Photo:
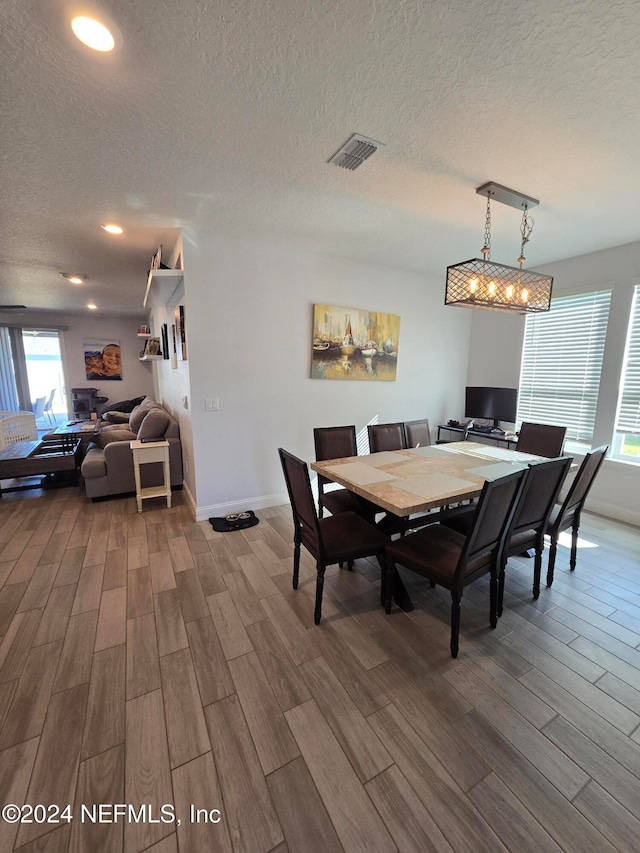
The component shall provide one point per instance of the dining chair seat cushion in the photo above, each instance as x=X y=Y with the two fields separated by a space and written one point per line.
x=522 y=540
x=341 y=500
x=348 y=536
x=433 y=551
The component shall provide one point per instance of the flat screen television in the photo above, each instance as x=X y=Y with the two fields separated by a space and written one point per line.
x=496 y=404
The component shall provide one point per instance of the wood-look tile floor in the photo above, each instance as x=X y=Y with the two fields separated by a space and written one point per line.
x=147 y=660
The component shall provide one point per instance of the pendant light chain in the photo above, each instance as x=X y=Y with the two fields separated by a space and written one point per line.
x=526 y=227
x=486 y=249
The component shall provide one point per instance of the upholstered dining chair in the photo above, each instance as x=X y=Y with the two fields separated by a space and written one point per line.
x=541 y=439
x=453 y=560
x=530 y=520
x=386 y=437
x=567 y=514
x=340 y=538
x=417 y=433
x=337 y=443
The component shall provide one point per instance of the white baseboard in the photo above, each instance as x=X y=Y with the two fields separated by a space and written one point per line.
x=190 y=501
x=619 y=513
x=203 y=513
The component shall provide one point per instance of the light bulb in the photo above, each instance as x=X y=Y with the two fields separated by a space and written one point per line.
x=92 y=33
x=492 y=288
x=524 y=295
x=112 y=229
x=75 y=279
x=473 y=285
x=509 y=291
x=91 y=306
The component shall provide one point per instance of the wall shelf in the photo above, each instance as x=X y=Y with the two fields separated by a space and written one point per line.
x=140 y=335
x=161 y=285
x=150 y=358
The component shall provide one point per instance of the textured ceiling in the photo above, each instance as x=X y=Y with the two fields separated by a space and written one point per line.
x=222 y=115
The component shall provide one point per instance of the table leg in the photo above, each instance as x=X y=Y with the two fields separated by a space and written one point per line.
x=400 y=594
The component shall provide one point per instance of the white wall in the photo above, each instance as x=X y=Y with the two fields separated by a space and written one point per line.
x=137 y=377
x=618 y=485
x=249 y=326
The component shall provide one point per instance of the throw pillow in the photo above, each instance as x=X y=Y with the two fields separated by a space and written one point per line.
x=105 y=437
x=154 y=425
x=136 y=417
x=116 y=417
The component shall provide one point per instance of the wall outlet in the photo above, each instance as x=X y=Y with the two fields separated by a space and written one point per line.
x=211 y=404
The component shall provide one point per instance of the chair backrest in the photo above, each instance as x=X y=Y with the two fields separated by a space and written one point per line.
x=540 y=494
x=305 y=518
x=582 y=482
x=333 y=443
x=38 y=407
x=541 y=439
x=386 y=437
x=49 y=402
x=491 y=523
x=417 y=433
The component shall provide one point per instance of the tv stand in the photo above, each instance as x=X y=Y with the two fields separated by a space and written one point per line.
x=510 y=441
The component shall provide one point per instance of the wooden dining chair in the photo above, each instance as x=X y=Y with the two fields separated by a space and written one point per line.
x=417 y=433
x=338 y=443
x=386 y=437
x=567 y=514
x=530 y=519
x=337 y=539
x=541 y=439
x=453 y=560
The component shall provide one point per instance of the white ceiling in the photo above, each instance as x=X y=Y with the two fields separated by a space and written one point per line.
x=222 y=116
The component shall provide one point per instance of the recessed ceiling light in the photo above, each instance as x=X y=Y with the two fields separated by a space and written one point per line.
x=92 y=33
x=74 y=279
x=112 y=229
x=91 y=306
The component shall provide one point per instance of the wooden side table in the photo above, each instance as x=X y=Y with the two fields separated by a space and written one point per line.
x=143 y=453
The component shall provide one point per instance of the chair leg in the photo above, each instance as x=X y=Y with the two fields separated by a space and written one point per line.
x=317 y=613
x=501 y=574
x=574 y=545
x=296 y=563
x=455 y=623
x=493 y=599
x=552 y=560
x=537 y=571
x=350 y=565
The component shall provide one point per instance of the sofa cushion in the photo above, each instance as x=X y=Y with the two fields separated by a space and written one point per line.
x=112 y=427
x=137 y=416
x=116 y=417
x=154 y=425
x=93 y=464
x=106 y=436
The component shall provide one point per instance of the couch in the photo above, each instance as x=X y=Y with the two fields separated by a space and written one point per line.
x=107 y=468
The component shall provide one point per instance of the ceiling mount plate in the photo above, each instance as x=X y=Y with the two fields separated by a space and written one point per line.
x=507 y=196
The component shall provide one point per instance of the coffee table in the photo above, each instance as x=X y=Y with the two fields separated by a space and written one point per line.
x=57 y=460
x=71 y=431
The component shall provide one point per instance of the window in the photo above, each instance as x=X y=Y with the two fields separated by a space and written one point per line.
x=627 y=438
x=562 y=363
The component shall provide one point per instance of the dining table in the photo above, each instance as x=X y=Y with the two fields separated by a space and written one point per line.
x=420 y=479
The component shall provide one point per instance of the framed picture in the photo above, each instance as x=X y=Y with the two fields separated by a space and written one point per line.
x=165 y=341
x=353 y=343
x=143 y=330
x=102 y=359
x=153 y=347
x=181 y=333
x=156 y=258
x=174 y=351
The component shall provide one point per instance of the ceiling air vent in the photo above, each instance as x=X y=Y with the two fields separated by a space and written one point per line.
x=355 y=151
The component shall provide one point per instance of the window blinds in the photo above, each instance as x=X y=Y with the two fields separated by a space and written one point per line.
x=562 y=362
x=629 y=412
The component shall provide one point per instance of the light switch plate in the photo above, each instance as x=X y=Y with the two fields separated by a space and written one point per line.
x=211 y=404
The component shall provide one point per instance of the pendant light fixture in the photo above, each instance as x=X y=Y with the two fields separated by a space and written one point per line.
x=483 y=283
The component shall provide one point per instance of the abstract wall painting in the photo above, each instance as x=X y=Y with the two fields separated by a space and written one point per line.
x=353 y=343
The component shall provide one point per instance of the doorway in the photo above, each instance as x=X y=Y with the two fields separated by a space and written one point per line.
x=45 y=376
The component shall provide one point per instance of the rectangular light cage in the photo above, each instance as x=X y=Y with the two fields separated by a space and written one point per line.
x=497 y=287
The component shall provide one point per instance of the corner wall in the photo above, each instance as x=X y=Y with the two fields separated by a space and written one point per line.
x=249 y=326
